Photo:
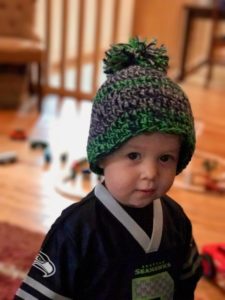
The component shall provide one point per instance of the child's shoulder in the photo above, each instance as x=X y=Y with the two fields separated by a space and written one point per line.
x=77 y=215
x=82 y=209
x=176 y=219
x=171 y=203
x=174 y=209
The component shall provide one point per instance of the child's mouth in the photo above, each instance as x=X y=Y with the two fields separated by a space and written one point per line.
x=147 y=191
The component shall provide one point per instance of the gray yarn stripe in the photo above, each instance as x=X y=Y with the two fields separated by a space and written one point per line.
x=154 y=84
x=130 y=72
x=107 y=112
x=43 y=289
x=148 y=245
x=132 y=75
x=24 y=295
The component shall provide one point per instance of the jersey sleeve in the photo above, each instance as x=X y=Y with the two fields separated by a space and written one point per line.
x=191 y=270
x=54 y=271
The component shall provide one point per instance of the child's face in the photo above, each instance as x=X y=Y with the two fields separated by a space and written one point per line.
x=142 y=169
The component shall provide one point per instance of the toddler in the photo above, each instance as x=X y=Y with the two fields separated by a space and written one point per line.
x=127 y=240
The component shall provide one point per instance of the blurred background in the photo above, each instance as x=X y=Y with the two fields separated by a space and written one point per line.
x=74 y=35
x=50 y=68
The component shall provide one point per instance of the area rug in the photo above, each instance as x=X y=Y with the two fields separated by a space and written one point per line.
x=18 y=248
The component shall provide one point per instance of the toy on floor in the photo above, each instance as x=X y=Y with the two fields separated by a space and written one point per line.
x=213 y=263
x=86 y=173
x=71 y=176
x=206 y=173
x=77 y=181
x=77 y=167
x=47 y=155
x=64 y=157
x=38 y=144
x=18 y=134
x=8 y=157
x=212 y=183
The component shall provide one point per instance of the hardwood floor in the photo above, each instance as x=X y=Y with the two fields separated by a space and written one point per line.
x=28 y=195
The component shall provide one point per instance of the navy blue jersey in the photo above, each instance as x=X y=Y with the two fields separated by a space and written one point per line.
x=97 y=251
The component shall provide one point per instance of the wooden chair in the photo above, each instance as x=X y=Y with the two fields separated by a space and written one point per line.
x=217 y=40
x=19 y=45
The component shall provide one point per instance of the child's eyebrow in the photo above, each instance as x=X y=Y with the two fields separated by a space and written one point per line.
x=132 y=145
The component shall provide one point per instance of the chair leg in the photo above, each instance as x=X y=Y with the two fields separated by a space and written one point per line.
x=39 y=87
x=212 y=45
x=210 y=61
x=29 y=77
x=209 y=73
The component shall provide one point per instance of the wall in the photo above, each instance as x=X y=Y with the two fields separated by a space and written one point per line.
x=165 y=19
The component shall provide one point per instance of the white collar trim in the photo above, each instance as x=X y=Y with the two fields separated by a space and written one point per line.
x=148 y=245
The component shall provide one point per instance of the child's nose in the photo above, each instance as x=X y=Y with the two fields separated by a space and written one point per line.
x=149 y=170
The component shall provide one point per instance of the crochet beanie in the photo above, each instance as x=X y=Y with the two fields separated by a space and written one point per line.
x=138 y=97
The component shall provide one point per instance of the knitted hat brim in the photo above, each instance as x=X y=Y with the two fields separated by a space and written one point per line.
x=141 y=121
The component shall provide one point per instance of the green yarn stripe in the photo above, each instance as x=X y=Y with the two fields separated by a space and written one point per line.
x=143 y=121
x=136 y=82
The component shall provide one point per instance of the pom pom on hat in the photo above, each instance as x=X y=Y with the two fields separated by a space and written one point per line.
x=138 y=97
x=138 y=53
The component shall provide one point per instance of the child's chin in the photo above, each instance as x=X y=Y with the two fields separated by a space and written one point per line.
x=140 y=204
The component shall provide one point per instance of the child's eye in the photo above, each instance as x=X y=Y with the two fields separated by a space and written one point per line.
x=134 y=155
x=166 y=157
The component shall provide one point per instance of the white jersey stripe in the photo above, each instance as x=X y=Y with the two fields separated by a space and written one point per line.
x=189 y=262
x=149 y=245
x=195 y=266
x=24 y=295
x=43 y=289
